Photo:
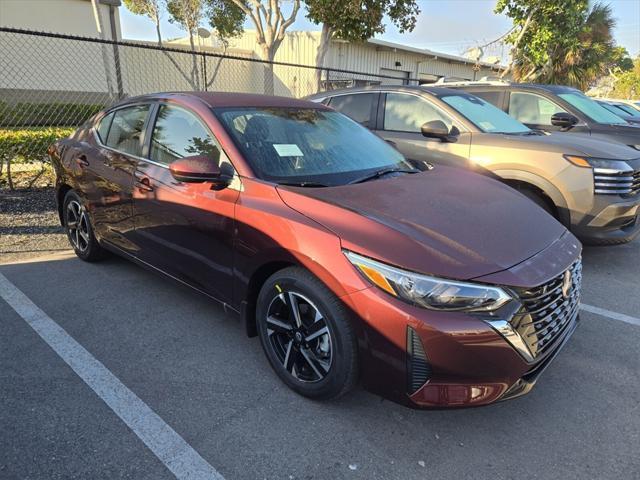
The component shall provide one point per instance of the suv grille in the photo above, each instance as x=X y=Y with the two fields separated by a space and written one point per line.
x=548 y=310
x=613 y=182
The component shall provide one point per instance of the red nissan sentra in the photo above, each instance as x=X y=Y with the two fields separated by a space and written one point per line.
x=434 y=288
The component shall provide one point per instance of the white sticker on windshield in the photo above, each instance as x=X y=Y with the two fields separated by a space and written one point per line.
x=487 y=126
x=288 y=150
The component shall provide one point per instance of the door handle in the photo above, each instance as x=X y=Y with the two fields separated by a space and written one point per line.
x=144 y=185
x=82 y=161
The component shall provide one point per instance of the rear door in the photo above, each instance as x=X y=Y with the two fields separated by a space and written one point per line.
x=402 y=116
x=119 y=139
x=184 y=229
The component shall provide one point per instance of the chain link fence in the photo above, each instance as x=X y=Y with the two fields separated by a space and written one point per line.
x=51 y=83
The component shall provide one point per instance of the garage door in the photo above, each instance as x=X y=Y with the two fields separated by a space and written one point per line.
x=401 y=76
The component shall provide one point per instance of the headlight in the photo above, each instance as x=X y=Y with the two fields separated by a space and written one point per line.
x=590 y=162
x=430 y=292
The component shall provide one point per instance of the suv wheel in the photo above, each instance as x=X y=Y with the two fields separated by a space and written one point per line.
x=539 y=200
x=306 y=334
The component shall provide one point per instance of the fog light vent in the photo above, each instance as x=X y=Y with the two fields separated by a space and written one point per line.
x=418 y=368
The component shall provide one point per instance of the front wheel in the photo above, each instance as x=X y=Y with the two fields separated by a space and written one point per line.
x=306 y=334
x=79 y=230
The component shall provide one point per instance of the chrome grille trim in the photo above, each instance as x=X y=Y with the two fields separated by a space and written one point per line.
x=546 y=313
x=616 y=182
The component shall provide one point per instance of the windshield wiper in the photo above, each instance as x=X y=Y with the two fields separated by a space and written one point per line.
x=304 y=184
x=381 y=173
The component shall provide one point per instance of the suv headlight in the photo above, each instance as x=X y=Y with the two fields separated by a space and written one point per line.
x=427 y=291
x=590 y=162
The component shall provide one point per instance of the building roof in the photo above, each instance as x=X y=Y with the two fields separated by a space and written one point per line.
x=427 y=52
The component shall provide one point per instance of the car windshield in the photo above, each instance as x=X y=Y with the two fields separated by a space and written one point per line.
x=591 y=108
x=308 y=147
x=628 y=109
x=484 y=115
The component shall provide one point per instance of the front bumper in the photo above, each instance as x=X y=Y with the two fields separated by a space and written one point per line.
x=468 y=361
x=613 y=219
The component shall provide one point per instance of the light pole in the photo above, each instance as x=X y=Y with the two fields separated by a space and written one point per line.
x=203 y=33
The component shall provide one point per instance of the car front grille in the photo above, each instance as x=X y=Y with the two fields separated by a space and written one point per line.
x=548 y=310
x=614 y=182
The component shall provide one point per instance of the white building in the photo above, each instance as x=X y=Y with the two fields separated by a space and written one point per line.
x=70 y=17
x=375 y=57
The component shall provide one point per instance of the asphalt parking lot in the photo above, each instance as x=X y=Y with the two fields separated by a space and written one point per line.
x=166 y=385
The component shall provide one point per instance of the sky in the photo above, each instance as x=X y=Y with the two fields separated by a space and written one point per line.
x=448 y=26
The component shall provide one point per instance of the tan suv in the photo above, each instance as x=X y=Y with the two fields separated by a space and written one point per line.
x=591 y=186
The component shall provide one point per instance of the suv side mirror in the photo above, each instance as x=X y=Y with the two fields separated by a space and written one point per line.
x=563 y=120
x=198 y=169
x=438 y=129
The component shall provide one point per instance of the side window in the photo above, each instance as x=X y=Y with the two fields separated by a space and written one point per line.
x=126 y=129
x=407 y=113
x=178 y=134
x=103 y=127
x=358 y=107
x=532 y=108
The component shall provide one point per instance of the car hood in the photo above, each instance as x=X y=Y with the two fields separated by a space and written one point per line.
x=574 y=144
x=448 y=222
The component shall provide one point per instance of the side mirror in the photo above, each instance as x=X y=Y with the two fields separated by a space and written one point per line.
x=197 y=169
x=563 y=120
x=438 y=129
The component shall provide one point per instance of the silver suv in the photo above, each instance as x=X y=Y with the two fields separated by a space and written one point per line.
x=591 y=186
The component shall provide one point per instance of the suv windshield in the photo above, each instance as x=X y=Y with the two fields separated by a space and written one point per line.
x=485 y=116
x=591 y=108
x=307 y=147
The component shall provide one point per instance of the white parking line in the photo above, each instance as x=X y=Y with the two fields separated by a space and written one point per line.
x=621 y=317
x=172 y=450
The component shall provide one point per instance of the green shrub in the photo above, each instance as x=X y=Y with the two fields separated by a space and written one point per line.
x=24 y=114
x=23 y=145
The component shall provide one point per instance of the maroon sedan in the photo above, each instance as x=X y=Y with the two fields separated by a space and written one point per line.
x=433 y=288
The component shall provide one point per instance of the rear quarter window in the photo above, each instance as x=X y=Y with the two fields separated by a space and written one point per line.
x=103 y=127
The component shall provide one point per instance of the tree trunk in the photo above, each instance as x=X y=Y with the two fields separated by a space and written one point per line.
x=268 y=54
x=323 y=48
x=514 y=49
x=194 y=69
x=9 y=178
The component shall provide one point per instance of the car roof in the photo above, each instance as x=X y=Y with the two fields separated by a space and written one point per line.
x=435 y=91
x=227 y=99
x=524 y=86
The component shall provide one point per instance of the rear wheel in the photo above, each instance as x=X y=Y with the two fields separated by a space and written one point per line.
x=79 y=230
x=306 y=334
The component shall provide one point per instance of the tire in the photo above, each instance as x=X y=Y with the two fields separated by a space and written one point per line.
x=79 y=230
x=319 y=358
x=538 y=200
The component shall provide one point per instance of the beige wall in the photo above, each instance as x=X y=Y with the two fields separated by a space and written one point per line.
x=301 y=47
x=73 y=17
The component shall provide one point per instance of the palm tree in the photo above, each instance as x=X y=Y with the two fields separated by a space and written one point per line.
x=581 y=60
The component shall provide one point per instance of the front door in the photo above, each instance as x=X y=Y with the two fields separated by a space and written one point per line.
x=404 y=114
x=184 y=229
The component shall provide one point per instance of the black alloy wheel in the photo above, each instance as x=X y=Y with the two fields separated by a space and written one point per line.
x=79 y=230
x=307 y=334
